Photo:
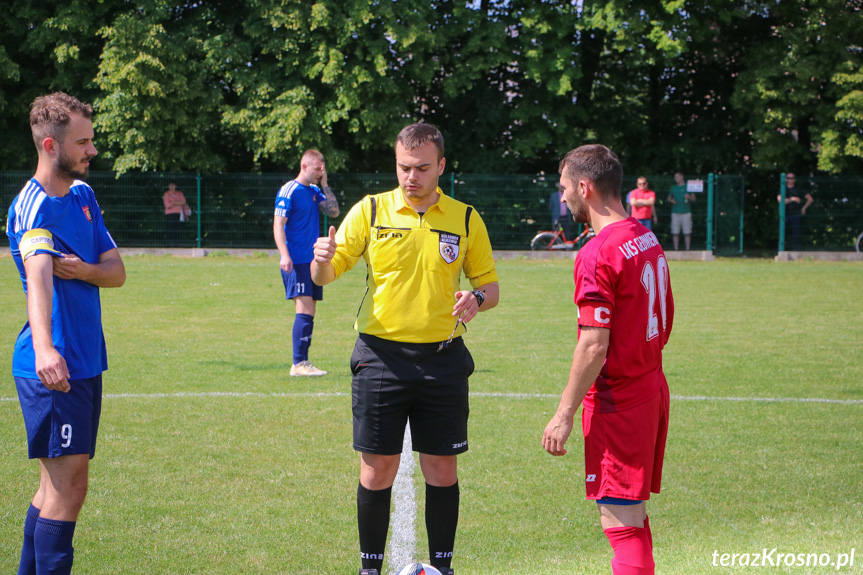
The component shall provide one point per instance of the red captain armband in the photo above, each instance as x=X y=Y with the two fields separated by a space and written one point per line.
x=594 y=314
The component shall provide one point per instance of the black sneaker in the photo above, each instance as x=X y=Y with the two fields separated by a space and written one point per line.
x=368 y=572
x=444 y=570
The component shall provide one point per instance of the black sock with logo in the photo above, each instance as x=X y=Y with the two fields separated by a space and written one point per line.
x=373 y=520
x=441 y=522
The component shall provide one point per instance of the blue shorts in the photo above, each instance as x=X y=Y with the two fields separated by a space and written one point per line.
x=60 y=423
x=299 y=282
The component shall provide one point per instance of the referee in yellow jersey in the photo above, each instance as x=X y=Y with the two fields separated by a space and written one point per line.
x=409 y=362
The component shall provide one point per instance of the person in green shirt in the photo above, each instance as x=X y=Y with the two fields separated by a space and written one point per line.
x=681 y=213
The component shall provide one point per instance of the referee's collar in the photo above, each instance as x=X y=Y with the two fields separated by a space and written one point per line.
x=443 y=201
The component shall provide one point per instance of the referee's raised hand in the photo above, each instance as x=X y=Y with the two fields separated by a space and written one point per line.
x=325 y=248
x=321 y=268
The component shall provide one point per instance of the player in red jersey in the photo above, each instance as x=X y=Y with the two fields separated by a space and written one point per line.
x=625 y=312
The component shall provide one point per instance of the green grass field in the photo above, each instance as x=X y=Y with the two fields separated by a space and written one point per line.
x=211 y=459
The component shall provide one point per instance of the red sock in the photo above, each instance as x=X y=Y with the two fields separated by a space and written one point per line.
x=633 y=552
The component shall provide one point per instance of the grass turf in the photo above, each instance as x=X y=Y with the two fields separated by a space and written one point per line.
x=211 y=459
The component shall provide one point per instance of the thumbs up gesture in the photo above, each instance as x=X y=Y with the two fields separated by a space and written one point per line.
x=325 y=248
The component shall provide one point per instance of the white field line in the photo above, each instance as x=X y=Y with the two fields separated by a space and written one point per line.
x=403 y=541
x=694 y=398
x=182 y=394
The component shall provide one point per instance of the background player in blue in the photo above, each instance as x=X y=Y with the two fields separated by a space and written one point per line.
x=296 y=227
x=64 y=255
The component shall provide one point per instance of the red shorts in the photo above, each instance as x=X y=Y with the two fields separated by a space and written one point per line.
x=623 y=451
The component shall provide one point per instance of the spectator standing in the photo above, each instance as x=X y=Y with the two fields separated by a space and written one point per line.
x=681 y=211
x=642 y=201
x=797 y=201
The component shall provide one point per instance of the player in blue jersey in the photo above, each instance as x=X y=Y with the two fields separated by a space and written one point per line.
x=296 y=227
x=64 y=255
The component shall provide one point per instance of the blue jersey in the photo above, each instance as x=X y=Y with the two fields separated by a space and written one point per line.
x=39 y=223
x=301 y=205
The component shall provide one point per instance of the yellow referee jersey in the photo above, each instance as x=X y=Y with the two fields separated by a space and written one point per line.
x=414 y=264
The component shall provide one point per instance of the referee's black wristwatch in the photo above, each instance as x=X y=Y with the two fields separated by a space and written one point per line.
x=480 y=297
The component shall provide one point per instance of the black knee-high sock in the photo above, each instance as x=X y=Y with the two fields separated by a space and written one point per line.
x=373 y=520
x=441 y=522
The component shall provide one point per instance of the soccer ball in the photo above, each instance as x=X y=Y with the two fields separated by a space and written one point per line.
x=419 y=569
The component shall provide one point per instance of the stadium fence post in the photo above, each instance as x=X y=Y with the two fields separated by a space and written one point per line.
x=198 y=182
x=710 y=230
x=782 y=212
x=742 y=203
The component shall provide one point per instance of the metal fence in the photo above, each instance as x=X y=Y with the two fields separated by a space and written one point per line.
x=516 y=207
x=717 y=212
x=832 y=222
x=236 y=210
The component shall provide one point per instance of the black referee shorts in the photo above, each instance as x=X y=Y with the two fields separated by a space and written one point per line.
x=396 y=382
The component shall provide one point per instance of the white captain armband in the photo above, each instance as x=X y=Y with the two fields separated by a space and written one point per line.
x=37 y=241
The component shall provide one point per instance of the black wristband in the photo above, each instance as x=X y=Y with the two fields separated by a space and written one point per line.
x=480 y=297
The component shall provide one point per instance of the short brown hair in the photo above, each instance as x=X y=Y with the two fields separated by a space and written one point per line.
x=309 y=154
x=49 y=115
x=419 y=134
x=598 y=165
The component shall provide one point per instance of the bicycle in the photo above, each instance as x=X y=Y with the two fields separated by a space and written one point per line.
x=859 y=243
x=556 y=240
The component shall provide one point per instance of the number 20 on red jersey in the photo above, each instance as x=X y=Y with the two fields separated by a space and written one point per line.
x=655 y=279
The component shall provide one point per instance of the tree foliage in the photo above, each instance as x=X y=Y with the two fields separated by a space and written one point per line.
x=730 y=86
x=791 y=87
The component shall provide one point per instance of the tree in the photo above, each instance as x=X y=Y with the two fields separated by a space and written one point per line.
x=729 y=86
x=160 y=104
x=790 y=89
x=44 y=47
x=842 y=143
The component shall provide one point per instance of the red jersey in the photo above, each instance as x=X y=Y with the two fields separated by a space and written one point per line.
x=642 y=212
x=622 y=284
